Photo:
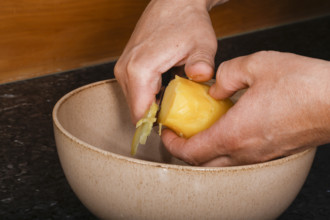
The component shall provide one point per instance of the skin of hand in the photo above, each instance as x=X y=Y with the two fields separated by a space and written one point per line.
x=169 y=33
x=286 y=109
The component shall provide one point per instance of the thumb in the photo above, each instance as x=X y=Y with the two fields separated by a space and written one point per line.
x=200 y=64
x=232 y=75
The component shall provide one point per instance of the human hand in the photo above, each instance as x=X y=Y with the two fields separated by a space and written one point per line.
x=169 y=33
x=286 y=109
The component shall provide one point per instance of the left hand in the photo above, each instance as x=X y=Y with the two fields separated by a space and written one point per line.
x=169 y=33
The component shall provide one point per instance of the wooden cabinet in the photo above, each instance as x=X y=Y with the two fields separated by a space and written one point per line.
x=43 y=37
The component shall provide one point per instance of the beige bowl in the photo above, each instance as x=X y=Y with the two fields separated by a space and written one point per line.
x=93 y=134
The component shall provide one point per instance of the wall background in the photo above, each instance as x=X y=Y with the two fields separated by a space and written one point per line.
x=47 y=36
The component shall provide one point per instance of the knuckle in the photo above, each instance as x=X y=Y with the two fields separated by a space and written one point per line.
x=120 y=71
x=190 y=159
x=257 y=58
x=263 y=53
x=131 y=68
x=231 y=142
x=188 y=156
x=259 y=62
x=128 y=68
x=203 y=55
x=117 y=70
x=134 y=69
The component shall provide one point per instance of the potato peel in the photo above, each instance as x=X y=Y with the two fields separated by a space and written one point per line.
x=144 y=127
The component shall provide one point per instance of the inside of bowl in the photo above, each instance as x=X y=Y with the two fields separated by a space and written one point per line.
x=98 y=115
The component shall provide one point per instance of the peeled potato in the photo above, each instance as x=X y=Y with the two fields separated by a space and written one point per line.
x=187 y=108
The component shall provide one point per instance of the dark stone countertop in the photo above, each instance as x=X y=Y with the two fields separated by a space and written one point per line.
x=32 y=183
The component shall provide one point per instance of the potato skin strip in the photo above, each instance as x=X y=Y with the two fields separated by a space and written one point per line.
x=144 y=127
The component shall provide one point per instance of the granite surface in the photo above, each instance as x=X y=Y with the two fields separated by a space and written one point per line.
x=32 y=183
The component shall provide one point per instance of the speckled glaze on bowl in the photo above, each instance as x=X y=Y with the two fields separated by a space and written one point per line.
x=93 y=133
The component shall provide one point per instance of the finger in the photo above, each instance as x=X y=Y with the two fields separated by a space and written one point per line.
x=200 y=71
x=141 y=95
x=221 y=161
x=242 y=72
x=139 y=86
x=196 y=150
x=231 y=77
x=200 y=62
x=140 y=79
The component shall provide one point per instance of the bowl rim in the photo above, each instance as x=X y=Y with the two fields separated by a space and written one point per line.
x=136 y=161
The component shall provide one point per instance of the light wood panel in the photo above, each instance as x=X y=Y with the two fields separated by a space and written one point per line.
x=48 y=36
x=241 y=16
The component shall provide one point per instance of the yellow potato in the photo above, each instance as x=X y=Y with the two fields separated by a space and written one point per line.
x=187 y=108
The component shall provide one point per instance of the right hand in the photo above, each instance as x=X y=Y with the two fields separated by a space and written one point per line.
x=169 y=33
x=285 y=110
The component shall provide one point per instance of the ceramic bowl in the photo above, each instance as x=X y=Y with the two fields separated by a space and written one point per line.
x=93 y=133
